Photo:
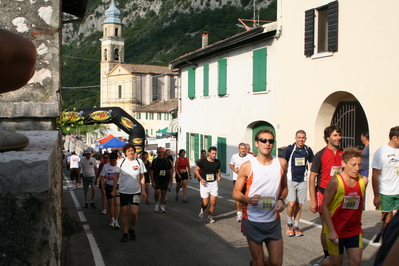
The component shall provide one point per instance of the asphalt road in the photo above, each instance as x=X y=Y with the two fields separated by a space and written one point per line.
x=178 y=237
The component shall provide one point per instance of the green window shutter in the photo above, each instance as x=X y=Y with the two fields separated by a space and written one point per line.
x=259 y=70
x=209 y=143
x=201 y=142
x=187 y=144
x=196 y=147
x=222 y=85
x=222 y=153
x=206 y=80
x=191 y=82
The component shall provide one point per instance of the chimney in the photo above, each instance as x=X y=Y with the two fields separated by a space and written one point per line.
x=205 y=38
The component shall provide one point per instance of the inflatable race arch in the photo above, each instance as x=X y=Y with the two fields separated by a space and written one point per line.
x=107 y=115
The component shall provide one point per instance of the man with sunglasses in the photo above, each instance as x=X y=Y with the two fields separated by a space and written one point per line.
x=266 y=182
x=297 y=155
x=326 y=163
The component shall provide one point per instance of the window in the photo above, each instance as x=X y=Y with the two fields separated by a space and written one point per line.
x=119 y=91
x=105 y=54
x=188 y=145
x=152 y=132
x=196 y=147
x=159 y=116
x=146 y=132
x=166 y=116
x=151 y=117
x=146 y=116
x=206 y=80
x=191 y=82
x=116 y=31
x=321 y=28
x=207 y=142
x=138 y=115
x=222 y=153
x=222 y=82
x=259 y=69
x=116 y=54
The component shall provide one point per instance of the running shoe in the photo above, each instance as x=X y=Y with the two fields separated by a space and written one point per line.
x=176 y=197
x=116 y=225
x=87 y=205
x=185 y=200
x=104 y=212
x=132 y=234
x=163 y=208
x=289 y=230
x=210 y=220
x=239 y=217
x=92 y=204
x=112 y=224
x=156 y=207
x=201 y=215
x=125 y=238
x=297 y=232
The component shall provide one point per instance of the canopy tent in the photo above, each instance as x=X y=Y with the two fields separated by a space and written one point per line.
x=105 y=139
x=113 y=143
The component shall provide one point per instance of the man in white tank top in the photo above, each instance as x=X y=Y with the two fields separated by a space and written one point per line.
x=264 y=177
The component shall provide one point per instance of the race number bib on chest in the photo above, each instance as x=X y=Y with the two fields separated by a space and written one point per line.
x=267 y=202
x=351 y=202
x=210 y=177
x=299 y=161
x=335 y=170
x=396 y=168
x=162 y=173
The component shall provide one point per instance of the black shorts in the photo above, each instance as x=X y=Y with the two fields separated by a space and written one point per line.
x=261 y=232
x=184 y=176
x=126 y=199
x=161 y=184
x=74 y=174
x=108 y=190
x=147 y=178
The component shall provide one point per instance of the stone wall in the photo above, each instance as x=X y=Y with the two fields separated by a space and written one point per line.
x=38 y=101
x=31 y=201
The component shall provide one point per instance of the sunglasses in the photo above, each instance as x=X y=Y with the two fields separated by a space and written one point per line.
x=271 y=141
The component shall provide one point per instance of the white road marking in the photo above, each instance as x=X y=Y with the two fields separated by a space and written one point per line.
x=98 y=258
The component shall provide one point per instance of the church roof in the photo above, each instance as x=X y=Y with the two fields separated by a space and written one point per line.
x=158 y=107
x=146 y=69
x=112 y=14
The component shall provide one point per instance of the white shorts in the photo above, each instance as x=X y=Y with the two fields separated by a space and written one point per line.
x=297 y=191
x=209 y=188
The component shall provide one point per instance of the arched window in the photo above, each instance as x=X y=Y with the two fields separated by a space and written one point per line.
x=116 y=54
x=105 y=54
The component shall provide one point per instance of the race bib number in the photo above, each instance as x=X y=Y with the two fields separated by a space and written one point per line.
x=267 y=203
x=162 y=173
x=136 y=199
x=351 y=202
x=299 y=161
x=210 y=177
x=335 y=170
x=396 y=168
x=183 y=171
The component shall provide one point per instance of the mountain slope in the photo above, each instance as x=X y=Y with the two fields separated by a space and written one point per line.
x=156 y=32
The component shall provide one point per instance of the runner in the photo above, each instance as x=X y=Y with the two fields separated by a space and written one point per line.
x=266 y=181
x=131 y=185
x=342 y=210
x=209 y=177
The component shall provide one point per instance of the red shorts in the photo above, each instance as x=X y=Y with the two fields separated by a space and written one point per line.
x=319 y=198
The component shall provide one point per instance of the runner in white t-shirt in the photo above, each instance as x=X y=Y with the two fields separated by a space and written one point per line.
x=385 y=177
x=235 y=163
x=131 y=185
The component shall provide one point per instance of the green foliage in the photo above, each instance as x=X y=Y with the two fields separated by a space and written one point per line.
x=153 y=40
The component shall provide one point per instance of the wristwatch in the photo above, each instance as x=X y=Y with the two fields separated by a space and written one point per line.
x=281 y=200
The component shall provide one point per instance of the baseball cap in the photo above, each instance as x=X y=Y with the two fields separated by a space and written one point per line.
x=88 y=151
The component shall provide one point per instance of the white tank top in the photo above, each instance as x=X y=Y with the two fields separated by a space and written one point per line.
x=263 y=180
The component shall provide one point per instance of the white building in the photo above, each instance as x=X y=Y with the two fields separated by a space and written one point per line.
x=324 y=65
